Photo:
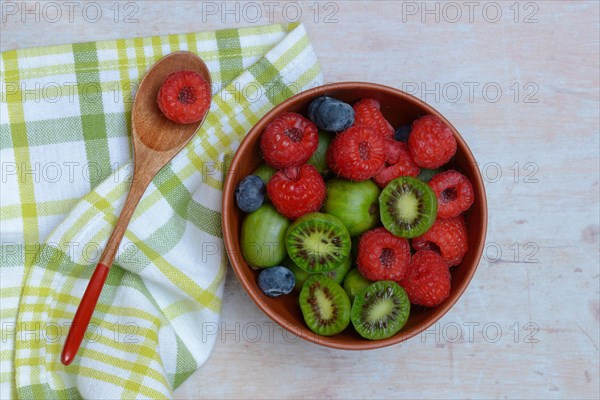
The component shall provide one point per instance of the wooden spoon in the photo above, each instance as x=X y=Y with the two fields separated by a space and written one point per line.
x=156 y=140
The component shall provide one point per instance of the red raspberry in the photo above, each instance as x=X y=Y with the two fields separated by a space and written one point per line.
x=289 y=140
x=427 y=281
x=454 y=193
x=366 y=111
x=184 y=97
x=382 y=256
x=447 y=237
x=358 y=153
x=394 y=150
x=296 y=191
x=399 y=164
x=431 y=142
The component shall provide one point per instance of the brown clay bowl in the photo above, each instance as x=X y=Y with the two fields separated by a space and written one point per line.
x=399 y=108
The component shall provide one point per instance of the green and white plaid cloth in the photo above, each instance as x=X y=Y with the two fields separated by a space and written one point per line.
x=65 y=155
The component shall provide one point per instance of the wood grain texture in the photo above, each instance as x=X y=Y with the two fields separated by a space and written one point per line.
x=550 y=208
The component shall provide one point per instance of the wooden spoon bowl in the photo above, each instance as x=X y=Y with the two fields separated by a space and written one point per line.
x=148 y=121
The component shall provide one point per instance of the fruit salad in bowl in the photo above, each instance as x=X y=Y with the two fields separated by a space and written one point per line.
x=356 y=215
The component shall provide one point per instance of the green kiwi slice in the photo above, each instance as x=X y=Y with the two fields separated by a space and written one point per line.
x=325 y=305
x=380 y=310
x=407 y=207
x=318 y=242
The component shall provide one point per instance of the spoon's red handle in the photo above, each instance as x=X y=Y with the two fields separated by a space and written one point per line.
x=94 y=288
x=84 y=314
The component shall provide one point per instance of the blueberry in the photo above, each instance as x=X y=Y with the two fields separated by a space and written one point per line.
x=314 y=106
x=402 y=132
x=276 y=281
x=250 y=193
x=331 y=114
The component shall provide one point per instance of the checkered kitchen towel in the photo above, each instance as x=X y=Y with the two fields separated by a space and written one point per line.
x=65 y=156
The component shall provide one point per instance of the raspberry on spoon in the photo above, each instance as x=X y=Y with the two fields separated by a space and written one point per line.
x=184 y=97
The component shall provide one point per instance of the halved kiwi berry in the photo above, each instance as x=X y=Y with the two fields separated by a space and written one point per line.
x=325 y=305
x=408 y=207
x=380 y=310
x=318 y=242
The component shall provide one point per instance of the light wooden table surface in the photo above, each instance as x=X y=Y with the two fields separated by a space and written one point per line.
x=528 y=326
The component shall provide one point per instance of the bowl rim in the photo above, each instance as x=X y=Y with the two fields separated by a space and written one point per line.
x=228 y=236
